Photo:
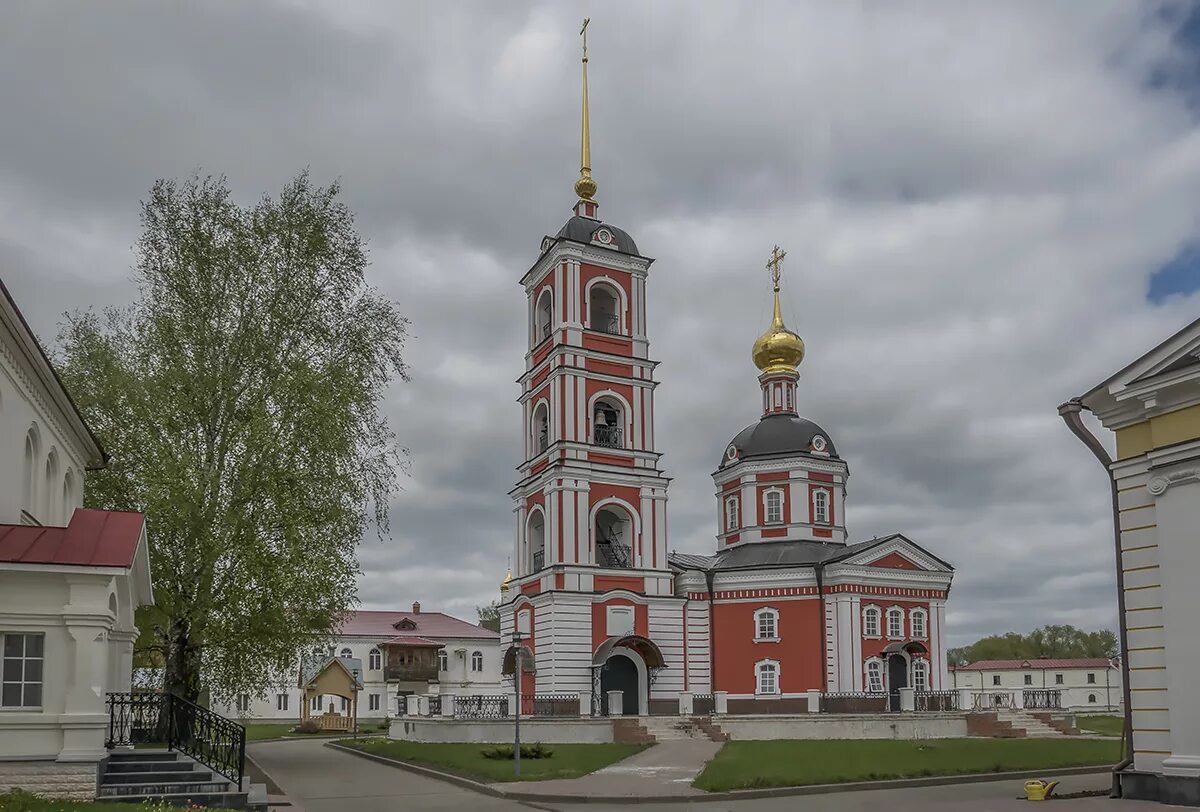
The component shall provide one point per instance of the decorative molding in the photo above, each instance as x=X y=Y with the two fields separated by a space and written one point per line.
x=1159 y=483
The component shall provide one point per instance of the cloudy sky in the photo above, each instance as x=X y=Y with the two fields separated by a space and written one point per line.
x=987 y=209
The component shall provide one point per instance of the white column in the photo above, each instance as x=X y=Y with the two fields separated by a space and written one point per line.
x=447 y=706
x=908 y=699
x=814 y=701
x=721 y=702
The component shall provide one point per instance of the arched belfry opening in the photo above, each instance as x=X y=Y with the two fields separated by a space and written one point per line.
x=536 y=540
x=608 y=428
x=614 y=537
x=543 y=316
x=541 y=428
x=603 y=314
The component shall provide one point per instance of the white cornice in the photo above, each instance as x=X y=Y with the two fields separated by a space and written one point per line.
x=797 y=461
x=601 y=257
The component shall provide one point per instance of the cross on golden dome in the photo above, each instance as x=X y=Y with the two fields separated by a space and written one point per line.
x=777 y=255
x=778 y=349
x=585 y=187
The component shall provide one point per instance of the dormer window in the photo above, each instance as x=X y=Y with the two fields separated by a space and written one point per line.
x=407 y=624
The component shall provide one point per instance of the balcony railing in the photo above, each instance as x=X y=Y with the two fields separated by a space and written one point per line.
x=539 y=560
x=934 y=701
x=613 y=555
x=606 y=323
x=1044 y=699
x=609 y=436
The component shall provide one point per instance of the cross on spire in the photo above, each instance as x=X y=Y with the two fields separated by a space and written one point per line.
x=776 y=260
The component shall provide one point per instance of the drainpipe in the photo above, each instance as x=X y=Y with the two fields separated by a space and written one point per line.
x=819 y=569
x=1070 y=413
x=709 y=577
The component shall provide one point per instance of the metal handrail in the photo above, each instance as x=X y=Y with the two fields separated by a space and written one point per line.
x=614 y=556
x=539 y=560
x=608 y=436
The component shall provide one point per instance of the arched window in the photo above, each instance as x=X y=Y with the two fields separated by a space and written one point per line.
x=442 y=660
x=773 y=506
x=608 y=424
x=920 y=675
x=603 y=311
x=29 y=476
x=374 y=660
x=766 y=677
x=1091 y=699
x=895 y=623
x=917 y=620
x=50 y=489
x=766 y=624
x=477 y=661
x=614 y=537
x=544 y=316
x=874 y=676
x=732 y=520
x=345 y=652
x=871 y=621
x=537 y=541
x=68 y=496
x=541 y=428
x=821 y=506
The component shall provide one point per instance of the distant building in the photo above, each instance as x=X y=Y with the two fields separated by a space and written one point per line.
x=393 y=654
x=1087 y=684
x=70 y=579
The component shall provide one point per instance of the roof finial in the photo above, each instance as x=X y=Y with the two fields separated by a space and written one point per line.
x=773 y=265
x=585 y=187
x=778 y=349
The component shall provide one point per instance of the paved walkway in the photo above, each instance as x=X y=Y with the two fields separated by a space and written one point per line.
x=319 y=779
x=667 y=768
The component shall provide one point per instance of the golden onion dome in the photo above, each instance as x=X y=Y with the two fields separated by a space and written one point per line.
x=507 y=580
x=778 y=349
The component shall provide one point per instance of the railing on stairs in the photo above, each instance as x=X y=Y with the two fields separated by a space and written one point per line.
x=146 y=717
x=1042 y=699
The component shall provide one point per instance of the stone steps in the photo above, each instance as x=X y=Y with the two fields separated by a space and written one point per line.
x=164 y=776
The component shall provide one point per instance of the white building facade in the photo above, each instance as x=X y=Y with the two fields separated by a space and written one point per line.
x=1084 y=685
x=70 y=580
x=388 y=649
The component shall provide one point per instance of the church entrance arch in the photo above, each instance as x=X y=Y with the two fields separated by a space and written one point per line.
x=619 y=673
x=897 y=679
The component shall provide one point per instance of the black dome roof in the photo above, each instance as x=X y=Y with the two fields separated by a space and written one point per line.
x=582 y=229
x=778 y=435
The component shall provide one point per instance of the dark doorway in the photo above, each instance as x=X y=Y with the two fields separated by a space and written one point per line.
x=897 y=679
x=620 y=674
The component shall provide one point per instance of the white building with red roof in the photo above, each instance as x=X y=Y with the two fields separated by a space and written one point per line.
x=70 y=579
x=394 y=654
x=1085 y=683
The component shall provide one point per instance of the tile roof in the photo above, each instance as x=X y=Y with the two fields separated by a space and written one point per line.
x=435 y=625
x=1035 y=663
x=93 y=538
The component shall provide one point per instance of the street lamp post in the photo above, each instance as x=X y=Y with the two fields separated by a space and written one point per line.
x=517 y=649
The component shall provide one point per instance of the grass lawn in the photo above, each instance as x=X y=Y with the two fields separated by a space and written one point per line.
x=24 y=802
x=568 y=761
x=1104 y=725
x=750 y=764
x=257 y=733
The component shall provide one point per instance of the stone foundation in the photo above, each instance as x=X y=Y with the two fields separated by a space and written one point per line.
x=49 y=779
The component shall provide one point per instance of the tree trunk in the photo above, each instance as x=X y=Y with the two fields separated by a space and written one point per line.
x=181 y=675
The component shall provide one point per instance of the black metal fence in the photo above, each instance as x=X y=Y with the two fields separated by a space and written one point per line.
x=550 y=704
x=992 y=700
x=1043 y=699
x=480 y=707
x=932 y=701
x=854 y=702
x=704 y=704
x=435 y=705
x=145 y=717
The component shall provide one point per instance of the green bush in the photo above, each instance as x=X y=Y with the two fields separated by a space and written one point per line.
x=308 y=726
x=504 y=752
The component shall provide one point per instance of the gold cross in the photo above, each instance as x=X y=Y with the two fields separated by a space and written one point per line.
x=583 y=33
x=777 y=255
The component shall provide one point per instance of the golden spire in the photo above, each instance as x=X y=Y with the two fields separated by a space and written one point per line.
x=778 y=349
x=507 y=580
x=585 y=187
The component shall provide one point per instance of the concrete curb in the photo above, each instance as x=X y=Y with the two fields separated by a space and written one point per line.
x=732 y=795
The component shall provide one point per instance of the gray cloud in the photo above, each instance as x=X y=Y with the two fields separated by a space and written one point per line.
x=972 y=198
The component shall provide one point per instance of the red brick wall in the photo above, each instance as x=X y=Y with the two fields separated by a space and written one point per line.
x=798 y=652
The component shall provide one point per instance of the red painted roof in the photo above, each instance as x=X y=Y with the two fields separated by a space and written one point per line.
x=1035 y=664
x=428 y=624
x=93 y=538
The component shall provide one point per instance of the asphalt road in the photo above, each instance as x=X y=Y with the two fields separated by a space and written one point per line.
x=319 y=779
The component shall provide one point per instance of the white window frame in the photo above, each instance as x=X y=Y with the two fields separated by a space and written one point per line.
x=868 y=610
x=373 y=702
x=912 y=624
x=346 y=652
x=874 y=664
x=345 y=704
x=759 y=668
x=821 y=505
x=374 y=660
x=476 y=662
x=1091 y=678
x=316 y=702
x=281 y=702
x=759 y=616
x=242 y=703
x=894 y=612
x=767 y=494
x=920 y=667
x=25 y=683
x=443 y=661
x=733 y=519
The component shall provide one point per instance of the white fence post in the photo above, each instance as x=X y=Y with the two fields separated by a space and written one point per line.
x=721 y=702
x=585 y=705
x=966 y=699
x=447 y=706
x=814 y=701
x=1018 y=700
x=908 y=699
x=616 y=703
x=685 y=704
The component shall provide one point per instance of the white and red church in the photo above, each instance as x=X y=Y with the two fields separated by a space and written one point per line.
x=783 y=605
